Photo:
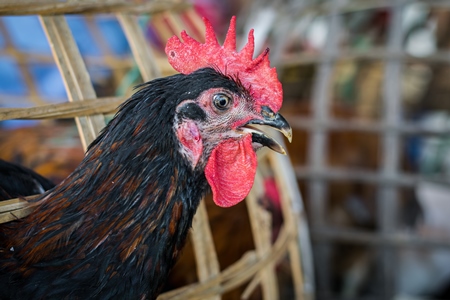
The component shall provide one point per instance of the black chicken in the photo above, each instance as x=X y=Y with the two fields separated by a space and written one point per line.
x=114 y=227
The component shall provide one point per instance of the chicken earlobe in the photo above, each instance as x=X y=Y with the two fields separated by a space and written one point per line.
x=191 y=141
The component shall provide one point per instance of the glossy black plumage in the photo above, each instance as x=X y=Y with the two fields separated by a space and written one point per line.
x=114 y=227
x=18 y=181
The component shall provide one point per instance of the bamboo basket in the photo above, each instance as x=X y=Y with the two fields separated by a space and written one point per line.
x=256 y=267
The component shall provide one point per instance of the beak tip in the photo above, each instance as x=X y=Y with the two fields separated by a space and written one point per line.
x=288 y=134
x=281 y=150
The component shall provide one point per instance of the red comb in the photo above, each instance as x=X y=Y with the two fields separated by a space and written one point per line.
x=255 y=74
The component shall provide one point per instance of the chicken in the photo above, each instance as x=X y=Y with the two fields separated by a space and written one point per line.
x=18 y=181
x=115 y=226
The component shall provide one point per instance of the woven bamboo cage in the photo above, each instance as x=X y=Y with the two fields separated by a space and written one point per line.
x=256 y=267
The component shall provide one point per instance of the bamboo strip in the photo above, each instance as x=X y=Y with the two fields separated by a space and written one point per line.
x=141 y=50
x=294 y=217
x=164 y=32
x=236 y=274
x=98 y=37
x=15 y=215
x=19 y=7
x=88 y=7
x=192 y=15
x=203 y=243
x=21 y=101
x=214 y=284
x=14 y=209
x=294 y=251
x=175 y=22
x=251 y=287
x=63 y=110
x=13 y=204
x=74 y=73
x=261 y=224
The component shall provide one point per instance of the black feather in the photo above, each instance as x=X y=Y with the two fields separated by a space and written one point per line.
x=192 y=111
x=18 y=181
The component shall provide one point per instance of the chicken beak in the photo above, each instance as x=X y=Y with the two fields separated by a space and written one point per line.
x=273 y=120
x=279 y=123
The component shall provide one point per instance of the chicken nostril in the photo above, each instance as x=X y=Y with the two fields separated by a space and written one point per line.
x=267 y=112
x=268 y=115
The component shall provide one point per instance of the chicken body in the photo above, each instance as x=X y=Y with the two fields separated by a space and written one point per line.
x=114 y=227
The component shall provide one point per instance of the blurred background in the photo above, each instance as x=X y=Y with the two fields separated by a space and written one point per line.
x=367 y=92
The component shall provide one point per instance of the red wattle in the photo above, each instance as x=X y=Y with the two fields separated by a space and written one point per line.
x=231 y=170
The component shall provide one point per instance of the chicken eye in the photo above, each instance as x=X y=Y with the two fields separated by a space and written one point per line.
x=221 y=101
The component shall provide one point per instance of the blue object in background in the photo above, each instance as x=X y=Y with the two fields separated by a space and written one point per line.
x=11 y=80
x=2 y=42
x=114 y=36
x=82 y=35
x=27 y=34
x=50 y=84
